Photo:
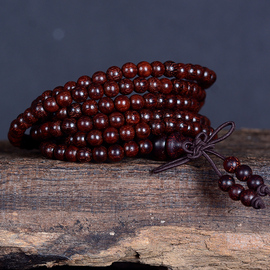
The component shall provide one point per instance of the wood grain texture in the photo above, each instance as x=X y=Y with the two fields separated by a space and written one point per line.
x=56 y=213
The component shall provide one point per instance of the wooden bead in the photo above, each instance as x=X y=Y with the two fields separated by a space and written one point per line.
x=84 y=81
x=79 y=94
x=129 y=70
x=145 y=146
x=94 y=137
x=59 y=152
x=38 y=111
x=50 y=105
x=166 y=86
x=132 y=117
x=57 y=90
x=140 y=85
x=126 y=86
x=137 y=102
x=131 y=149
x=85 y=124
x=29 y=117
x=64 y=98
x=115 y=153
x=84 y=155
x=111 y=89
x=47 y=149
x=243 y=172
x=170 y=101
x=247 y=196
x=110 y=135
x=146 y=115
x=170 y=124
x=44 y=131
x=154 y=85
x=74 y=110
x=150 y=101
x=71 y=153
x=116 y=119
x=114 y=73
x=161 y=101
x=79 y=139
x=174 y=145
x=90 y=107
x=142 y=130
x=159 y=147
x=61 y=114
x=144 y=69
x=225 y=182
x=99 y=77
x=122 y=103
x=70 y=85
x=230 y=164
x=235 y=191
x=106 y=105
x=69 y=126
x=180 y=71
x=55 y=129
x=99 y=154
x=254 y=181
x=101 y=121
x=158 y=69
x=95 y=91
x=157 y=127
x=169 y=68
x=127 y=133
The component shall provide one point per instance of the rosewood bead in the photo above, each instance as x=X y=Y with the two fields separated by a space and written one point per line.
x=64 y=98
x=158 y=69
x=85 y=123
x=146 y=115
x=29 y=117
x=69 y=126
x=131 y=149
x=225 y=182
x=22 y=124
x=254 y=181
x=95 y=91
x=84 y=81
x=61 y=114
x=99 y=77
x=169 y=68
x=170 y=124
x=114 y=73
x=235 y=191
x=110 y=135
x=180 y=71
x=74 y=110
x=142 y=130
x=129 y=70
x=106 y=105
x=79 y=139
x=79 y=94
x=111 y=89
x=144 y=69
x=150 y=101
x=230 y=164
x=116 y=119
x=159 y=147
x=154 y=85
x=71 y=153
x=140 y=85
x=101 y=121
x=59 y=152
x=38 y=111
x=145 y=146
x=174 y=145
x=90 y=107
x=170 y=101
x=94 y=137
x=127 y=133
x=126 y=86
x=132 y=117
x=161 y=101
x=99 y=154
x=247 y=196
x=70 y=85
x=84 y=154
x=55 y=129
x=166 y=86
x=46 y=94
x=116 y=153
x=47 y=149
x=157 y=127
x=243 y=172
x=137 y=102
x=57 y=90
x=122 y=103
x=50 y=105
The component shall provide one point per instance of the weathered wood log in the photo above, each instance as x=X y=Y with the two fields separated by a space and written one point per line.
x=60 y=213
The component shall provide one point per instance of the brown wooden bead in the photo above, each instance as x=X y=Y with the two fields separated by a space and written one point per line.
x=254 y=181
x=99 y=154
x=116 y=119
x=161 y=101
x=131 y=149
x=158 y=69
x=159 y=147
x=106 y=105
x=247 y=196
x=235 y=191
x=129 y=70
x=127 y=133
x=122 y=103
x=144 y=69
x=55 y=129
x=225 y=182
x=174 y=142
x=166 y=86
x=84 y=154
x=114 y=73
x=94 y=137
x=243 y=172
x=95 y=91
x=146 y=115
x=85 y=123
x=68 y=140
x=38 y=111
x=79 y=94
x=34 y=133
x=180 y=71
x=29 y=117
x=71 y=153
x=74 y=110
x=79 y=139
x=157 y=127
x=169 y=68
x=59 y=152
x=154 y=85
x=84 y=81
x=70 y=85
x=142 y=130
x=110 y=135
x=111 y=89
x=132 y=117
x=150 y=101
x=64 y=98
x=230 y=164
x=170 y=101
x=99 y=77
x=126 y=86
x=137 y=102
x=22 y=124
x=157 y=114
x=15 y=128
x=140 y=85
x=101 y=121
x=57 y=90
x=61 y=114
x=46 y=94
x=209 y=77
x=115 y=153
x=90 y=107
x=47 y=149
x=145 y=146
x=69 y=126
x=170 y=124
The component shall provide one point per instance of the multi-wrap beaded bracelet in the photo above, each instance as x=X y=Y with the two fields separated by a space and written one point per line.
x=137 y=110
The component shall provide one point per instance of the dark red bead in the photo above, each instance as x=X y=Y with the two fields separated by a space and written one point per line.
x=61 y=114
x=79 y=94
x=46 y=94
x=99 y=77
x=209 y=77
x=70 y=85
x=69 y=126
x=166 y=86
x=55 y=129
x=157 y=127
x=154 y=85
x=94 y=137
x=140 y=85
x=101 y=121
x=90 y=107
x=115 y=153
x=161 y=101
x=95 y=91
x=142 y=130
x=47 y=149
x=38 y=111
x=230 y=164
x=57 y=90
x=170 y=101
x=127 y=133
x=159 y=147
x=22 y=124
x=243 y=172
x=84 y=81
x=84 y=154
x=137 y=102
x=131 y=149
x=99 y=154
x=79 y=139
x=85 y=123
x=150 y=101
x=59 y=152
x=122 y=103
x=132 y=117
x=144 y=69
x=126 y=86
x=110 y=135
x=180 y=71
x=170 y=124
x=235 y=191
x=169 y=68
x=116 y=119
x=129 y=70
x=174 y=145
x=29 y=117
x=247 y=196
x=191 y=72
x=44 y=131
x=225 y=182
x=106 y=105
x=114 y=73
x=64 y=98
x=71 y=153
x=146 y=115
x=254 y=181
x=34 y=133
x=158 y=69
x=111 y=89
x=74 y=110
x=145 y=146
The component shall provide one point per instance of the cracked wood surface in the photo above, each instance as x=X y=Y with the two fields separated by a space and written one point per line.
x=55 y=213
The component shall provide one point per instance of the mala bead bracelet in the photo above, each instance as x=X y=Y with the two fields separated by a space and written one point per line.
x=149 y=110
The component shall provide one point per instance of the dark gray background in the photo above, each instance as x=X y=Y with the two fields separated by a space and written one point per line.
x=47 y=43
